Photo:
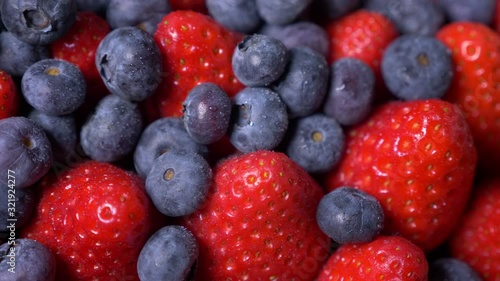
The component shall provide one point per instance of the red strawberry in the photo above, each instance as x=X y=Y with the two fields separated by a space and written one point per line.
x=477 y=237
x=95 y=218
x=476 y=84
x=195 y=49
x=418 y=159
x=194 y=5
x=260 y=221
x=363 y=35
x=9 y=100
x=385 y=258
x=79 y=45
x=496 y=20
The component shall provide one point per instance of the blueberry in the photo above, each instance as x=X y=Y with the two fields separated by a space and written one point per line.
x=33 y=261
x=24 y=202
x=349 y=215
x=316 y=143
x=334 y=9
x=259 y=120
x=16 y=55
x=96 y=6
x=112 y=131
x=300 y=34
x=38 y=22
x=163 y=135
x=129 y=62
x=207 y=111
x=259 y=60
x=304 y=84
x=466 y=10
x=350 y=97
x=451 y=269
x=169 y=254
x=54 y=87
x=178 y=182
x=238 y=15
x=121 y=13
x=417 y=67
x=281 y=11
x=61 y=132
x=422 y=17
x=26 y=151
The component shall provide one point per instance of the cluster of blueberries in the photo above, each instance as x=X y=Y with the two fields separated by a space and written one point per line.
x=294 y=101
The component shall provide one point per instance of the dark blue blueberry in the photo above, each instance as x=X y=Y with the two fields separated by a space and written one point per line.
x=417 y=67
x=54 y=87
x=61 y=131
x=281 y=11
x=38 y=22
x=467 y=10
x=334 y=9
x=304 y=84
x=112 y=131
x=238 y=15
x=121 y=13
x=451 y=269
x=163 y=135
x=178 y=182
x=129 y=62
x=316 y=143
x=300 y=34
x=16 y=55
x=22 y=201
x=350 y=97
x=32 y=260
x=97 y=6
x=259 y=120
x=349 y=215
x=26 y=152
x=423 y=17
x=259 y=60
x=207 y=111
x=169 y=254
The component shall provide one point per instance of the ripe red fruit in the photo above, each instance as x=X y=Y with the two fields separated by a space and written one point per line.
x=195 y=49
x=95 y=218
x=193 y=5
x=418 y=159
x=259 y=222
x=476 y=240
x=9 y=100
x=385 y=258
x=496 y=19
x=476 y=84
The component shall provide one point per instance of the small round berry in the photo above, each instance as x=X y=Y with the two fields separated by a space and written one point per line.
x=26 y=54
x=349 y=215
x=237 y=15
x=281 y=12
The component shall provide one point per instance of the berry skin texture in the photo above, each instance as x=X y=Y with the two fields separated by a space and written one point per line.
x=418 y=159
x=95 y=218
x=9 y=99
x=240 y=15
x=385 y=258
x=451 y=269
x=281 y=12
x=363 y=35
x=476 y=239
x=169 y=254
x=187 y=63
x=464 y=10
x=26 y=54
x=475 y=46
x=259 y=222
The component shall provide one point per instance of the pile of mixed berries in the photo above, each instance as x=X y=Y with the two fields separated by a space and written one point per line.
x=249 y=140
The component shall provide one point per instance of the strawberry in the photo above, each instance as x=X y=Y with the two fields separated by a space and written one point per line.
x=194 y=5
x=95 y=218
x=476 y=83
x=79 y=45
x=363 y=35
x=9 y=100
x=385 y=258
x=259 y=222
x=418 y=159
x=476 y=240
x=195 y=49
x=496 y=19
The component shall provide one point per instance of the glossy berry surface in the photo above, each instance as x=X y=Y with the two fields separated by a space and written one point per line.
x=9 y=99
x=169 y=254
x=178 y=182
